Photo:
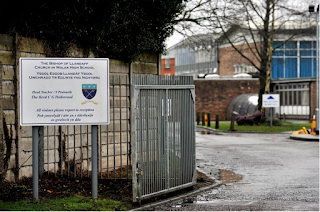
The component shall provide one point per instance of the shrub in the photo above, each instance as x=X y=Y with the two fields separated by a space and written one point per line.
x=250 y=119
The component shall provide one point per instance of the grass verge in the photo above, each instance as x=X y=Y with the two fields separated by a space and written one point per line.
x=284 y=127
x=75 y=203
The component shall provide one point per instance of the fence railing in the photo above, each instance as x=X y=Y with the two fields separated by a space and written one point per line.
x=67 y=149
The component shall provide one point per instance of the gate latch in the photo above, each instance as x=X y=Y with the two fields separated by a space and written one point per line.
x=139 y=171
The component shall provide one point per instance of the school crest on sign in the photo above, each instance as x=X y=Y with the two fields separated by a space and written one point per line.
x=89 y=91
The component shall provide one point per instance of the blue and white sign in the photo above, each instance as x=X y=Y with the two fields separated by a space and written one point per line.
x=270 y=100
x=64 y=91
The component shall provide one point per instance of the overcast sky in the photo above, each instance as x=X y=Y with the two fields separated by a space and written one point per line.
x=176 y=37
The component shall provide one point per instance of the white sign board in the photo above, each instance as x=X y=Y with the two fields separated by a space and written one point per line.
x=270 y=100
x=64 y=91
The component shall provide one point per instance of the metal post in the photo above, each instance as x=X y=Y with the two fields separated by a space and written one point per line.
x=317 y=72
x=271 y=117
x=166 y=138
x=35 y=170
x=94 y=177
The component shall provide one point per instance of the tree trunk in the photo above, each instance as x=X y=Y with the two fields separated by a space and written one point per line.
x=268 y=74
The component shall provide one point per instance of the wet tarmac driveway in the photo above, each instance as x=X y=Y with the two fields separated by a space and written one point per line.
x=259 y=172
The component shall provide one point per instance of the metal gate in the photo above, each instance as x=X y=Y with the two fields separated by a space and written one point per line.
x=163 y=134
x=294 y=100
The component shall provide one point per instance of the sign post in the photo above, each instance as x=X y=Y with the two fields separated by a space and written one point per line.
x=35 y=170
x=270 y=101
x=64 y=91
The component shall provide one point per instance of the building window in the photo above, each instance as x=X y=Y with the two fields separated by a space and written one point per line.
x=294 y=98
x=294 y=59
x=167 y=64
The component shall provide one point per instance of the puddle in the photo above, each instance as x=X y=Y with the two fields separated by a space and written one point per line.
x=205 y=132
x=210 y=133
x=227 y=176
x=210 y=196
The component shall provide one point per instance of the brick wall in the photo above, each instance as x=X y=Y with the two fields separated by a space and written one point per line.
x=213 y=96
x=229 y=57
x=168 y=71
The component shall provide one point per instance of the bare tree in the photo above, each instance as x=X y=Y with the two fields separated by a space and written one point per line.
x=248 y=26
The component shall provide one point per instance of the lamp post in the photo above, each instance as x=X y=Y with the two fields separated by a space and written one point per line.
x=312 y=9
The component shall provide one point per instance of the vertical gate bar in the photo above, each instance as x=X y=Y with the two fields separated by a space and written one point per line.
x=169 y=137
x=74 y=151
x=163 y=140
x=189 y=136
x=184 y=137
x=114 y=136
x=155 y=147
x=193 y=135
x=166 y=136
x=156 y=139
x=54 y=148
x=154 y=162
x=171 y=141
x=152 y=139
x=185 y=140
x=147 y=141
x=174 y=136
x=61 y=153
x=142 y=141
x=140 y=162
x=81 y=151
x=48 y=150
x=127 y=125
x=68 y=150
x=160 y=137
x=180 y=136
x=120 y=127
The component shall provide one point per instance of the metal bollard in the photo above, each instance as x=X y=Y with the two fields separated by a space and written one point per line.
x=198 y=118
x=217 y=121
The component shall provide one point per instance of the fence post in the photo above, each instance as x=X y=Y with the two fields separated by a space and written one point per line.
x=209 y=124
x=217 y=121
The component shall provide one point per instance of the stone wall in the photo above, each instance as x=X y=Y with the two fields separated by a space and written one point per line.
x=213 y=96
x=78 y=139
